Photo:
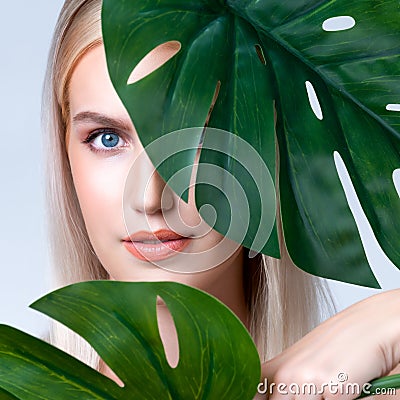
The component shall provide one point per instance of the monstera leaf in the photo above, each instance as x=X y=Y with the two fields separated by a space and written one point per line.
x=217 y=357
x=312 y=79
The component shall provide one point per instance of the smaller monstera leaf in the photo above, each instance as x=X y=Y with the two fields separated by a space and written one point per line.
x=278 y=75
x=217 y=358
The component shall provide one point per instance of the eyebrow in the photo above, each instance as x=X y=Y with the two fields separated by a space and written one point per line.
x=94 y=117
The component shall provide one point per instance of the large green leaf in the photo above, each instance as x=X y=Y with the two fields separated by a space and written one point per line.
x=7 y=396
x=217 y=357
x=354 y=73
x=180 y=93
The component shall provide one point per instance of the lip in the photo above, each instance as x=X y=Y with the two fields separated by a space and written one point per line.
x=169 y=244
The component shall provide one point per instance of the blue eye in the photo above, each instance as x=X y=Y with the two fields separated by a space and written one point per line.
x=105 y=141
x=110 y=139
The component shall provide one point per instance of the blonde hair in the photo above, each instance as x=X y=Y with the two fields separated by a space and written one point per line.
x=284 y=302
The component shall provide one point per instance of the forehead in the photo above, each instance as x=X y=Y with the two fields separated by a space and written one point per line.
x=90 y=84
x=90 y=87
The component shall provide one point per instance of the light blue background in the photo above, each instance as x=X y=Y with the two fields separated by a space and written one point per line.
x=25 y=34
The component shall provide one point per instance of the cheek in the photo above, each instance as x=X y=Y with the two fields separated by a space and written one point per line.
x=99 y=186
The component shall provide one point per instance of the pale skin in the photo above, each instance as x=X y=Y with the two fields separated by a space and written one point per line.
x=353 y=342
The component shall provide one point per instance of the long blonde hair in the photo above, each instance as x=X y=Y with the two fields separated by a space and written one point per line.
x=284 y=302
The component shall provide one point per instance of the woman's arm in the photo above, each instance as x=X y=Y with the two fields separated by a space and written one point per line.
x=357 y=345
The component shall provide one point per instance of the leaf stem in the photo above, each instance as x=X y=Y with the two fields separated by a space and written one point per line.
x=388 y=382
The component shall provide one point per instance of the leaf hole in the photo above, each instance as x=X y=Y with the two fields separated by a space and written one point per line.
x=213 y=101
x=313 y=99
x=197 y=156
x=168 y=333
x=393 y=107
x=260 y=54
x=107 y=371
x=153 y=60
x=340 y=23
x=396 y=180
x=371 y=246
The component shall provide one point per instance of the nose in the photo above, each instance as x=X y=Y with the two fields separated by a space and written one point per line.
x=149 y=194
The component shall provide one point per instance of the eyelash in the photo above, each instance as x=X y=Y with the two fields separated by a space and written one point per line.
x=100 y=132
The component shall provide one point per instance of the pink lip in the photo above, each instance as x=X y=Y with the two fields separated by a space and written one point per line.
x=169 y=243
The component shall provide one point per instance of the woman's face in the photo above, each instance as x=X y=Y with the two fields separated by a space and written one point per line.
x=103 y=147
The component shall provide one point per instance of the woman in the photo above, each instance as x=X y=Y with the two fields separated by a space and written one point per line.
x=92 y=146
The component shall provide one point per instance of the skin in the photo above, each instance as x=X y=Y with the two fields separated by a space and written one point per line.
x=362 y=341
x=99 y=179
